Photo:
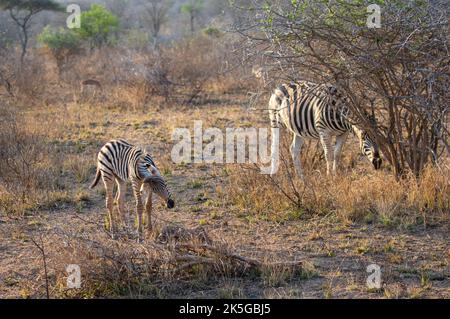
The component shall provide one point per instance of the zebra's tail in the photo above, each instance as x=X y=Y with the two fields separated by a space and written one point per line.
x=97 y=178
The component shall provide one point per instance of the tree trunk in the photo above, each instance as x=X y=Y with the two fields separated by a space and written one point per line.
x=192 y=22
x=24 y=44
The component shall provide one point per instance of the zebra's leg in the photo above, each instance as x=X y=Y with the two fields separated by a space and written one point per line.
x=275 y=150
x=116 y=198
x=340 y=141
x=275 y=131
x=296 y=147
x=121 y=190
x=328 y=149
x=109 y=186
x=148 y=208
x=81 y=93
x=139 y=207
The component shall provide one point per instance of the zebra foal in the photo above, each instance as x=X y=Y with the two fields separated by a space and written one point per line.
x=119 y=161
x=318 y=111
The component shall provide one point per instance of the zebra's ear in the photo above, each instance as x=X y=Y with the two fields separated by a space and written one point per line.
x=153 y=170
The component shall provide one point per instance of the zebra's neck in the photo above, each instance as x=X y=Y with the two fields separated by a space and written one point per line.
x=359 y=133
x=140 y=168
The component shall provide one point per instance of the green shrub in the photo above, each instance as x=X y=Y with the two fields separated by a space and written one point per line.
x=97 y=25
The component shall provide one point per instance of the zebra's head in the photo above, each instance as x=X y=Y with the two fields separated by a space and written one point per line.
x=370 y=149
x=158 y=185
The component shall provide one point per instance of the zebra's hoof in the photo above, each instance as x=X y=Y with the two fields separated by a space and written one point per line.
x=139 y=238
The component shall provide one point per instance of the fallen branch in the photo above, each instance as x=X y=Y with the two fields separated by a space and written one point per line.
x=224 y=252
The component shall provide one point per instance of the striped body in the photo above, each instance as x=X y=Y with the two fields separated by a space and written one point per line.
x=317 y=111
x=119 y=161
x=309 y=109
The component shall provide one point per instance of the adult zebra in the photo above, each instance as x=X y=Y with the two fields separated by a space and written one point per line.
x=119 y=161
x=318 y=111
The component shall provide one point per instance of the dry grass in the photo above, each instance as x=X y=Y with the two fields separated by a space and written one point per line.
x=352 y=195
x=29 y=167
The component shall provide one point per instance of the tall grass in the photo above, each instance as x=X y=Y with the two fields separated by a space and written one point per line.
x=354 y=194
x=29 y=168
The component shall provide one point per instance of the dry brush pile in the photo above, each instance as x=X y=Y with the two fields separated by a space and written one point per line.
x=124 y=268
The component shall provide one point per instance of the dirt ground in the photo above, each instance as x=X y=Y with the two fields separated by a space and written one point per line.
x=415 y=262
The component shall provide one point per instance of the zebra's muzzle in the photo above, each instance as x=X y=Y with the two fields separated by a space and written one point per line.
x=170 y=203
x=377 y=163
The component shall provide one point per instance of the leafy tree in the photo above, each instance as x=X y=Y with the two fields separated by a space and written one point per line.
x=21 y=11
x=193 y=9
x=62 y=43
x=97 y=24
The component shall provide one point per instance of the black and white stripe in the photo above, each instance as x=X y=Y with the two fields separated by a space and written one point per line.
x=119 y=161
x=317 y=111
